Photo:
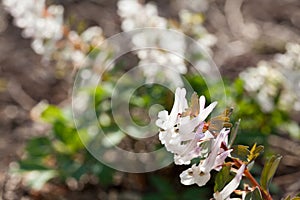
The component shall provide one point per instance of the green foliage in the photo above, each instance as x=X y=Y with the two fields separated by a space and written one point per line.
x=61 y=153
x=254 y=195
x=269 y=171
x=241 y=152
x=255 y=152
x=222 y=178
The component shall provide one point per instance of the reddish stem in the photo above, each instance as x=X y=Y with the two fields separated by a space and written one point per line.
x=266 y=194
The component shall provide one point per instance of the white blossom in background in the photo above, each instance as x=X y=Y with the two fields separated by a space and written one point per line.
x=157 y=63
x=136 y=15
x=78 y=47
x=43 y=24
x=263 y=81
x=192 y=24
x=166 y=59
x=195 y=6
x=278 y=77
x=291 y=59
x=289 y=65
x=52 y=39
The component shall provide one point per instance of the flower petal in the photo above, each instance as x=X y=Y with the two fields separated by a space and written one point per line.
x=204 y=113
x=230 y=187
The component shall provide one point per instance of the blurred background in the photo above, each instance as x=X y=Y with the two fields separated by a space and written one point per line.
x=255 y=44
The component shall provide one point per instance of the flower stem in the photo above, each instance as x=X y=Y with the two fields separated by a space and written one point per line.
x=266 y=194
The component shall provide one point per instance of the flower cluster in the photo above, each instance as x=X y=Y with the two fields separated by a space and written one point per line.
x=158 y=58
x=187 y=135
x=52 y=39
x=43 y=24
x=170 y=48
x=278 y=78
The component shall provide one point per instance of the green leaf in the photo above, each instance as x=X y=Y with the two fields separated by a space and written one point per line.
x=52 y=114
x=39 y=147
x=32 y=164
x=222 y=178
x=255 y=152
x=269 y=171
x=68 y=136
x=248 y=196
x=241 y=152
x=254 y=195
x=106 y=175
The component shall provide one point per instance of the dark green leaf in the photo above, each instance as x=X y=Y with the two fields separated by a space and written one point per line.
x=39 y=147
x=106 y=175
x=31 y=165
x=269 y=171
x=256 y=194
x=222 y=178
x=241 y=152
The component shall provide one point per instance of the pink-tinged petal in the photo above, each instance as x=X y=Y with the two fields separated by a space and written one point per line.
x=199 y=129
x=204 y=113
x=231 y=186
x=188 y=152
x=209 y=162
x=220 y=159
x=187 y=127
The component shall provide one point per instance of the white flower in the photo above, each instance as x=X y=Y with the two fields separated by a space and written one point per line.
x=200 y=174
x=166 y=121
x=164 y=61
x=230 y=187
x=180 y=134
x=193 y=149
x=131 y=11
